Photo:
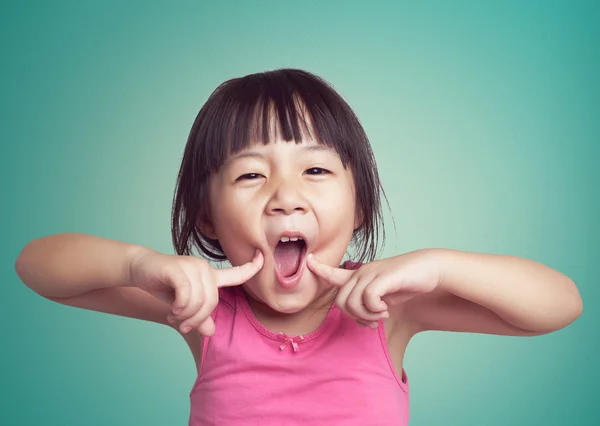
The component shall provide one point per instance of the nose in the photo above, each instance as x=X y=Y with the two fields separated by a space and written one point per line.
x=286 y=198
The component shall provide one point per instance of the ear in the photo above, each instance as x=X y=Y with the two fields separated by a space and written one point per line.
x=207 y=229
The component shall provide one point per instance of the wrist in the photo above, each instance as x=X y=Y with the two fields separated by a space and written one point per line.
x=430 y=267
x=133 y=256
x=460 y=272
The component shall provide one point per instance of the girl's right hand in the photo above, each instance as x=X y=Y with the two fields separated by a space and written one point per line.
x=189 y=284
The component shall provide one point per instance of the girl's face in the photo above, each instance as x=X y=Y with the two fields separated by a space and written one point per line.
x=269 y=193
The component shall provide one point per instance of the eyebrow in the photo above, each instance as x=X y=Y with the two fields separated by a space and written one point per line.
x=254 y=154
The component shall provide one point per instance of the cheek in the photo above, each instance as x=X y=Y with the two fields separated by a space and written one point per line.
x=235 y=245
x=227 y=209
x=230 y=219
x=341 y=202
x=337 y=214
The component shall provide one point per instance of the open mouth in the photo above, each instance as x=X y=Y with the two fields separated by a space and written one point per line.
x=289 y=256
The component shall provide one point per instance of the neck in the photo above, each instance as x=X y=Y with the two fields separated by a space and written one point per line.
x=302 y=322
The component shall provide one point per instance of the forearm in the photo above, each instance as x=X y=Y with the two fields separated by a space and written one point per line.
x=66 y=265
x=525 y=293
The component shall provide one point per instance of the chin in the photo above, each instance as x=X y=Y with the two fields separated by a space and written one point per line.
x=290 y=304
x=286 y=300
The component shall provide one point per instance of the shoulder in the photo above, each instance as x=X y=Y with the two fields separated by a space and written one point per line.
x=228 y=298
x=400 y=327
x=194 y=340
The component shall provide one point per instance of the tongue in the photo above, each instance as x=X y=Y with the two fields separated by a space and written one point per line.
x=287 y=257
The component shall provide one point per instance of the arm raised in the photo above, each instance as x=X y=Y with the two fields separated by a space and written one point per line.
x=88 y=272
x=496 y=294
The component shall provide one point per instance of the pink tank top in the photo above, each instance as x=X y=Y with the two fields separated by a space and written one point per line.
x=340 y=374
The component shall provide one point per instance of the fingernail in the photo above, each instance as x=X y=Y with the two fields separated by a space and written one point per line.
x=185 y=329
x=373 y=325
x=177 y=311
x=170 y=319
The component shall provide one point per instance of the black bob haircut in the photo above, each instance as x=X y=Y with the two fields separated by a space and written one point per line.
x=242 y=112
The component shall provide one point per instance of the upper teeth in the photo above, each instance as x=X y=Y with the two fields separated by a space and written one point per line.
x=286 y=239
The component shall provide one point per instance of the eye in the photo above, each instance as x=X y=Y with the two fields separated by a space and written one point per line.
x=249 y=176
x=316 y=171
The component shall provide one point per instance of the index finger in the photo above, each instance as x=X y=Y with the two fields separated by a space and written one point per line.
x=240 y=274
x=333 y=276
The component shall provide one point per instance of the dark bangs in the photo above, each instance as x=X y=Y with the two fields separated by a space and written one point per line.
x=284 y=104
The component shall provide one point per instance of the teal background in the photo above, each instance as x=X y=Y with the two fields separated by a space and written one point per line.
x=484 y=118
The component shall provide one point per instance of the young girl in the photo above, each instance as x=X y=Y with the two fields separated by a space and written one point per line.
x=278 y=178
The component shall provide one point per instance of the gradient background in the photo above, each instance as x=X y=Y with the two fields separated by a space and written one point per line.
x=484 y=120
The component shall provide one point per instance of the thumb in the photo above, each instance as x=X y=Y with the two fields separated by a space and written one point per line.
x=240 y=274
x=333 y=276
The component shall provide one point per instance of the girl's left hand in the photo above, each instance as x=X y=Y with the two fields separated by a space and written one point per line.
x=365 y=293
